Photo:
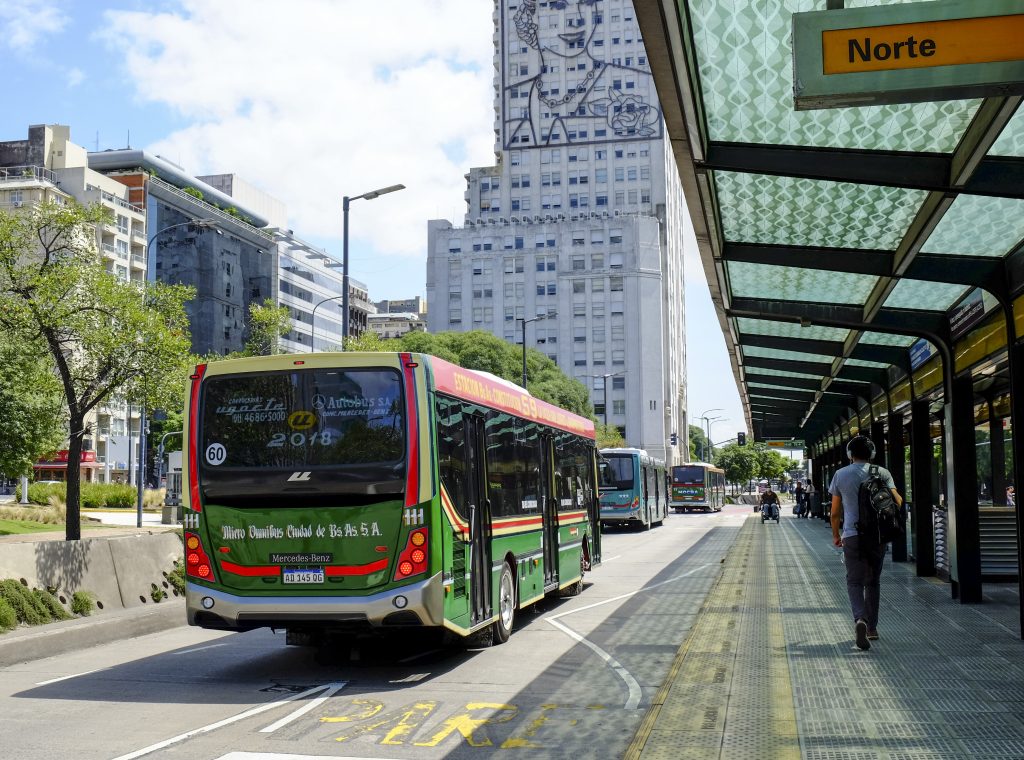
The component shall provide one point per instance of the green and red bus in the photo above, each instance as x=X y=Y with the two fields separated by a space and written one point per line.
x=337 y=491
x=697 y=485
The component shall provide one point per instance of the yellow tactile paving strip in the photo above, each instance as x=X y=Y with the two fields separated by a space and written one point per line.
x=729 y=692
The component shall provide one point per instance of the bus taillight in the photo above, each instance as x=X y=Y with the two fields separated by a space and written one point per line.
x=413 y=560
x=197 y=563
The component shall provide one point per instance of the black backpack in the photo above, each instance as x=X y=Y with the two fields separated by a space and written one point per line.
x=880 y=520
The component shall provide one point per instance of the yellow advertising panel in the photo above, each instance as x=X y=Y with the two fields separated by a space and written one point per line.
x=992 y=39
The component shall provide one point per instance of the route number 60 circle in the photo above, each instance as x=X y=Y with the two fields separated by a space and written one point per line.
x=216 y=454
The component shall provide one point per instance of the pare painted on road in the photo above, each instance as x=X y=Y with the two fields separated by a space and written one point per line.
x=478 y=724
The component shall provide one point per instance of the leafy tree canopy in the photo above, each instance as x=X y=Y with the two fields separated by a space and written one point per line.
x=739 y=462
x=106 y=339
x=700 y=446
x=268 y=323
x=31 y=406
x=482 y=351
x=609 y=437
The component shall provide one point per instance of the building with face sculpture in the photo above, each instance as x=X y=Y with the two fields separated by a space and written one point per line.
x=579 y=221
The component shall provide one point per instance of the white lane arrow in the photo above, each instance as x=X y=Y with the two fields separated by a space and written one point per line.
x=332 y=689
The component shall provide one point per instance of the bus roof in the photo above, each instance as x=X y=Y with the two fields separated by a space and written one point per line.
x=705 y=465
x=625 y=450
x=497 y=393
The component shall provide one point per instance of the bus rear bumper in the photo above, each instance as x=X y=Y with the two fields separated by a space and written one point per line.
x=419 y=603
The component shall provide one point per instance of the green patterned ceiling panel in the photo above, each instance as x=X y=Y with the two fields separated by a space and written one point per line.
x=790 y=330
x=866 y=363
x=978 y=226
x=918 y=294
x=774 y=353
x=758 y=208
x=1011 y=141
x=748 y=280
x=886 y=339
x=746 y=73
x=769 y=386
x=783 y=373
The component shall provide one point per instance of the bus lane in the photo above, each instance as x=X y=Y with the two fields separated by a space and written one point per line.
x=574 y=679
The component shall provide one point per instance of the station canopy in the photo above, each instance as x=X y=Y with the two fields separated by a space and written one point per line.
x=833 y=240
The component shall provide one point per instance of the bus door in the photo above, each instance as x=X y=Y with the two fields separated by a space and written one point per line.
x=549 y=509
x=648 y=518
x=592 y=502
x=479 y=521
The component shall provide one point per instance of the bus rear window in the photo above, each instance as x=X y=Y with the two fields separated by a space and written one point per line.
x=339 y=427
x=616 y=473
x=685 y=475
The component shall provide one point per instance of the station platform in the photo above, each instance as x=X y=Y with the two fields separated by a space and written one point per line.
x=770 y=669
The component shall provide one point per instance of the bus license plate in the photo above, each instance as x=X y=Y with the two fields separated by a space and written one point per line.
x=303 y=576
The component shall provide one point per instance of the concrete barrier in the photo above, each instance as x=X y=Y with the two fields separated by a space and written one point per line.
x=119 y=571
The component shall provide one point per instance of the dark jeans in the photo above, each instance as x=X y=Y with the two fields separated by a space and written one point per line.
x=862 y=581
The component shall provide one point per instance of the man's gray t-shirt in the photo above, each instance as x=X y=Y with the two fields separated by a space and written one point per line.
x=846 y=484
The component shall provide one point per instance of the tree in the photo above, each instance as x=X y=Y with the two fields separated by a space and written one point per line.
x=700 y=445
x=485 y=352
x=268 y=323
x=609 y=437
x=31 y=407
x=739 y=462
x=769 y=465
x=107 y=339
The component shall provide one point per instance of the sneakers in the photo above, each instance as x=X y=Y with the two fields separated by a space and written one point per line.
x=861 y=629
x=872 y=635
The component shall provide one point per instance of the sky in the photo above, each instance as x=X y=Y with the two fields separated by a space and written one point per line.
x=309 y=100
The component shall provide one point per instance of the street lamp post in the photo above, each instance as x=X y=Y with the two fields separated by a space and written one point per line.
x=346 y=201
x=312 y=320
x=525 y=323
x=711 y=421
x=703 y=447
x=141 y=467
x=604 y=384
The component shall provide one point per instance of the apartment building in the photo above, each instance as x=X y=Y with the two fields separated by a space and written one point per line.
x=575 y=234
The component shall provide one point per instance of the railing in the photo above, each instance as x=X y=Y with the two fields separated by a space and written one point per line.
x=209 y=210
x=137 y=259
x=110 y=198
x=23 y=173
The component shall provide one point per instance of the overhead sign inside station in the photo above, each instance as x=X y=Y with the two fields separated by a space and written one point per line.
x=784 y=443
x=907 y=53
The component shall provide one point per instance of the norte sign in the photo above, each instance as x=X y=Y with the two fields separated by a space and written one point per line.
x=907 y=53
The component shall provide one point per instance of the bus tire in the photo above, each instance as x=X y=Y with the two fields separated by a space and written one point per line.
x=506 y=605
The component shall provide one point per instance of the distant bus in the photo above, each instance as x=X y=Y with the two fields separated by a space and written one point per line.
x=698 y=485
x=634 y=488
x=332 y=492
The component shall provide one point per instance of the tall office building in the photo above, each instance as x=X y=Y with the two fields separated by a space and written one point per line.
x=577 y=228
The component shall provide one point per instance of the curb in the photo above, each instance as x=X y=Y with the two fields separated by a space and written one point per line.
x=38 y=642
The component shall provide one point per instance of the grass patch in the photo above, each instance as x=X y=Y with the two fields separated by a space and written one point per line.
x=82 y=603
x=18 y=527
x=8 y=618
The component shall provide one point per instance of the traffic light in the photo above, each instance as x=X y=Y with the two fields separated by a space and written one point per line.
x=741 y=439
x=673 y=439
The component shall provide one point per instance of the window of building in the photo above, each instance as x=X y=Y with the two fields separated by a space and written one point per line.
x=122 y=224
x=579 y=309
x=618 y=383
x=597 y=285
x=619 y=406
x=618 y=357
x=599 y=334
x=615 y=260
x=579 y=264
x=552 y=288
x=645 y=172
x=579 y=358
x=615 y=284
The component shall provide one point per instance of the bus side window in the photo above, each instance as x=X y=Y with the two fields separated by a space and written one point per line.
x=504 y=466
x=451 y=452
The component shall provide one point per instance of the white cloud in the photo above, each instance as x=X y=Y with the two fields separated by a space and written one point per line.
x=75 y=76
x=24 y=22
x=314 y=99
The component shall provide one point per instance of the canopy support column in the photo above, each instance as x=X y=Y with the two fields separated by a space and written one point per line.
x=997 y=456
x=896 y=464
x=1016 y=356
x=921 y=458
x=964 y=534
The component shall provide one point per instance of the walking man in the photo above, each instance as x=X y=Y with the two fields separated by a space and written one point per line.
x=863 y=568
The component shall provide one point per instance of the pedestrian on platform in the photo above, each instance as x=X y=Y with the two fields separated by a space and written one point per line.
x=798 y=493
x=863 y=568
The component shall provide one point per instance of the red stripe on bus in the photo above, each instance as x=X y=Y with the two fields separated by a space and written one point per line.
x=250 y=572
x=516 y=523
x=193 y=425
x=412 y=478
x=373 y=567
x=573 y=515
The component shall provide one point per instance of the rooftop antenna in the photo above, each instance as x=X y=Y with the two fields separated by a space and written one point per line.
x=129 y=139
x=97 y=141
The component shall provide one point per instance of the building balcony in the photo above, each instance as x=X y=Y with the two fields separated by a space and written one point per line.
x=32 y=175
x=95 y=192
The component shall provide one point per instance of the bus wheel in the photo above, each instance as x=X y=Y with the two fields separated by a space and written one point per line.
x=506 y=605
